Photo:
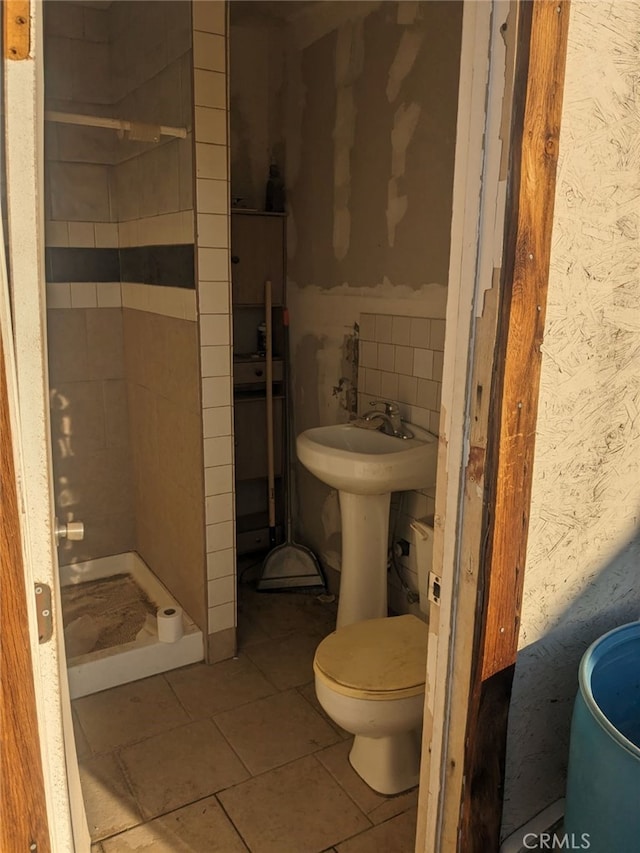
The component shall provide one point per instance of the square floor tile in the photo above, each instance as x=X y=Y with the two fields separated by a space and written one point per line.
x=281 y=613
x=309 y=693
x=336 y=760
x=129 y=713
x=201 y=827
x=175 y=768
x=397 y=834
x=206 y=690
x=394 y=805
x=287 y=661
x=322 y=612
x=298 y=808
x=275 y=730
x=249 y=632
x=108 y=801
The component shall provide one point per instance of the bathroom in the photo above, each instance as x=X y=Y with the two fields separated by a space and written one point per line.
x=140 y=325
x=367 y=151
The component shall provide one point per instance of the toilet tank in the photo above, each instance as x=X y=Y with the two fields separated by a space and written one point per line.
x=423 y=529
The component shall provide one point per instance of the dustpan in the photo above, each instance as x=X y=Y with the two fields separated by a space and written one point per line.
x=287 y=566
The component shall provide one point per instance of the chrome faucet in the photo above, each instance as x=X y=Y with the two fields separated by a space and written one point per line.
x=391 y=422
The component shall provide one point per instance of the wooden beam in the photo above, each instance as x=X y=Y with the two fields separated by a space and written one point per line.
x=524 y=301
x=537 y=110
x=23 y=815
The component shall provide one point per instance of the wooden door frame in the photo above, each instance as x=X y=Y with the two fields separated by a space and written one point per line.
x=495 y=491
x=23 y=820
x=486 y=70
x=23 y=799
x=23 y=322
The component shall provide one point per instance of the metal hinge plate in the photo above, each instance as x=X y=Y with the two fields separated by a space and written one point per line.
x=435 y=585
x=43 y=612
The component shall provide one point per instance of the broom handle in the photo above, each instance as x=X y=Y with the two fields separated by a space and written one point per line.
x=288 y=431
x=269 y=407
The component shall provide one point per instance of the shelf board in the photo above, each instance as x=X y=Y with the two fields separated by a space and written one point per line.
x=254 y=305
x=251 y=479
x=254 y=358
x=252 y=212
x=254 y=521
x=242 y=394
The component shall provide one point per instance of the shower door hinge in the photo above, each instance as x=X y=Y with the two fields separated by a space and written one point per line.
x=44 y=613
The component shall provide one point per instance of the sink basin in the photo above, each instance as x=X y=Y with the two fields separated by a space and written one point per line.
x=368 y=462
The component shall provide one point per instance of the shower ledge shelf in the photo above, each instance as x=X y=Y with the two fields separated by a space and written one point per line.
x=122 y=125
x=143 y=657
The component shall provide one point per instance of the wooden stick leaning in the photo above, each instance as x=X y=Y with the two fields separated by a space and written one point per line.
x=269 y=413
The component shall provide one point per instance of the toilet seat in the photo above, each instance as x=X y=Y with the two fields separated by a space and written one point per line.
x=379 y=659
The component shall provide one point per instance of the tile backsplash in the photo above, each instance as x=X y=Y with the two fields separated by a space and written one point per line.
x=400 y=358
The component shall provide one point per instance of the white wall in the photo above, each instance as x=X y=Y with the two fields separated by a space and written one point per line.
x=583 y=564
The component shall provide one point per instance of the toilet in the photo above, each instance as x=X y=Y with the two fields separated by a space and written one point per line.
x=370 y=679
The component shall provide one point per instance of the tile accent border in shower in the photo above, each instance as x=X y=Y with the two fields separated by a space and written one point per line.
x=163 y=229
x=169 y=301
x=213 y=282
x=162 y=265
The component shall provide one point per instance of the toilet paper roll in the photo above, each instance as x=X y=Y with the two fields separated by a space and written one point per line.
x=169 y=624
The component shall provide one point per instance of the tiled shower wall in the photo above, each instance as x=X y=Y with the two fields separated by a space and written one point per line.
x=79 y=206
x=153 y=185
x=90 y=430
x=214 y=300
x=400 y=359
x=133 y=61
x=161 y=360
x=90 y=435
x=141 y=71
x=151 y=73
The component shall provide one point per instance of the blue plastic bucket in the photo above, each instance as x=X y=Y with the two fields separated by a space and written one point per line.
x=603 y=784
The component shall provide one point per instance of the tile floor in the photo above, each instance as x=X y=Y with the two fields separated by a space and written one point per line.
x=237 y=756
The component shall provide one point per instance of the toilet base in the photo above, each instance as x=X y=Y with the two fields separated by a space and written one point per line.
x=389 y=765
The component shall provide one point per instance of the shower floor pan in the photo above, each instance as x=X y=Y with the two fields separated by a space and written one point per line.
x=126 y=584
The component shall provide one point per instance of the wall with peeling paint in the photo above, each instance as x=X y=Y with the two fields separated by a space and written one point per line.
x=256 y=60
x=358 y=102
x=370 y=143
x=582 y=574
x=370 y=104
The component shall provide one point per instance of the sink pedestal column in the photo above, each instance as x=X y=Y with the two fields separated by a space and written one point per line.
x=365 y=535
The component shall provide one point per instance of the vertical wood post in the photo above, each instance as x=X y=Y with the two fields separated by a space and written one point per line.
x=537 y=109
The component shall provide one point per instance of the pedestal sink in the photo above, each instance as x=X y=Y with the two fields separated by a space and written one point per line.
x=366 y=466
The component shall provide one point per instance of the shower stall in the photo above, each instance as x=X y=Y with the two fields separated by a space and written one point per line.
x=124 y=359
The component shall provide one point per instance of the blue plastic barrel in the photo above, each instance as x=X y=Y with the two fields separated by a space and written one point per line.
x=603 y=785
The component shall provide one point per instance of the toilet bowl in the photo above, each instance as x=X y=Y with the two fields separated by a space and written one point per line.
x=370 y=679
